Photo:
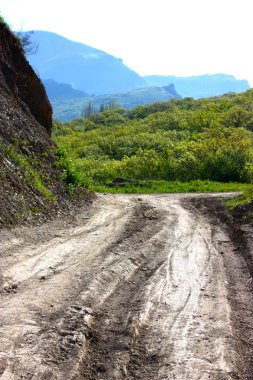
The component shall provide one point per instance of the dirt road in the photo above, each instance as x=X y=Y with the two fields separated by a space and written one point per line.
x=137 y=287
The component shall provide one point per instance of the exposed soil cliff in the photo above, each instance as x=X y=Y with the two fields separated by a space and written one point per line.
x=29 y=181
x=21 y=79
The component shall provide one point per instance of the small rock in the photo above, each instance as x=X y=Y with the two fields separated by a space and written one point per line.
x=88 y=310
x=77 y=307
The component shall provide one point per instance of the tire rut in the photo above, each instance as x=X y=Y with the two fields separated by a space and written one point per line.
x=140 y=290
x=117 y=323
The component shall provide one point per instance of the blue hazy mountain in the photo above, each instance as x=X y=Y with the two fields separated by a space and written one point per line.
x=96 y=72
x=83 y=67
x=137 y=97
x=66 y=109
x=201 y=86
x=57 y=90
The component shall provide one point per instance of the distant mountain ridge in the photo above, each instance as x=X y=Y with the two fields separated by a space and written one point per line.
x=66 y=109
x=57 y=90
x=82 y=66
x=200 y=86
x=138 y=97
x=75 y=74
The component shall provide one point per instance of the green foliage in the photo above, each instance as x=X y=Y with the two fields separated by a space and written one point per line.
x=245 y=198
x=71 y=173
x=27 y=167
x=156 y=187
x=182 y=141
x=109 y=117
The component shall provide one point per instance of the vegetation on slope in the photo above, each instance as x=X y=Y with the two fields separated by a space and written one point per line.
x=30 y=184
x=205 y=144
x=69 y=103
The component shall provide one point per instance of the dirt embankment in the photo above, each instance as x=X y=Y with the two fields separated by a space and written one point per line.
x=30 y=184
x=145 y=288
x=20 y=80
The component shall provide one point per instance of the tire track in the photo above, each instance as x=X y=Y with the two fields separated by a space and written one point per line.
x=138 y=291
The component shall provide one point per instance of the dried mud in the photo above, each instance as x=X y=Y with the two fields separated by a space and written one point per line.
x=137 y=287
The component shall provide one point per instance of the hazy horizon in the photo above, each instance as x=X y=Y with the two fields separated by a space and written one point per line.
x=162 y=37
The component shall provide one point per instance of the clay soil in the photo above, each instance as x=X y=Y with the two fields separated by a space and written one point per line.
x=148 y=287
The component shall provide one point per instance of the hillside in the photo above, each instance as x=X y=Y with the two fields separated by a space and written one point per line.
x=137 y=97
x=85 y=68
x=30 y=182
x=178 y=140
x=57 y=90
x=66 y=108
x=201 y=86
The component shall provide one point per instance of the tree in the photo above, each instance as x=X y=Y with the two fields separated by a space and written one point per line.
x=30 y=47
x=109 y=106
x=87 y=110
x=102 y=108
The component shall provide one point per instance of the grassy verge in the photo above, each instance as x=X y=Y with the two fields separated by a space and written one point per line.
x=31 y=175
x=245 y=198
x=142 y=187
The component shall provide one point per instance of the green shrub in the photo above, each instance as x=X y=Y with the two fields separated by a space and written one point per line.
x=183 y=140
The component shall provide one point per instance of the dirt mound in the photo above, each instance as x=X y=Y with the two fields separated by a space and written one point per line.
x=29 y=180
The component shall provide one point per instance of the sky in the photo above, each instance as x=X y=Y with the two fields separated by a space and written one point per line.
x=162 y=37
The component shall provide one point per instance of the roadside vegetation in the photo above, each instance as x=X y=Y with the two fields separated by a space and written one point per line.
x=175 y=146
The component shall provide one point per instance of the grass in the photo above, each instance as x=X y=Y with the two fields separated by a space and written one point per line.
x=155 y=187
x=32 y=175
x=142 y=187
x=245 y=198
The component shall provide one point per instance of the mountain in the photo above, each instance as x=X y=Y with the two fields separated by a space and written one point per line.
x=137 y=97
x=62 y=90
x=83 y=67
x=201 y=86
x=66 y=109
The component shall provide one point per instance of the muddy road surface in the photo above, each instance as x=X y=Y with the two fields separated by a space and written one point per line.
x=137 y=287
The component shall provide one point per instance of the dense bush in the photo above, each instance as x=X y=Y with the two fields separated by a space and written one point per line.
x=184 y=140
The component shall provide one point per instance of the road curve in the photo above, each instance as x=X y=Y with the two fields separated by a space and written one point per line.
x=136 y=288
